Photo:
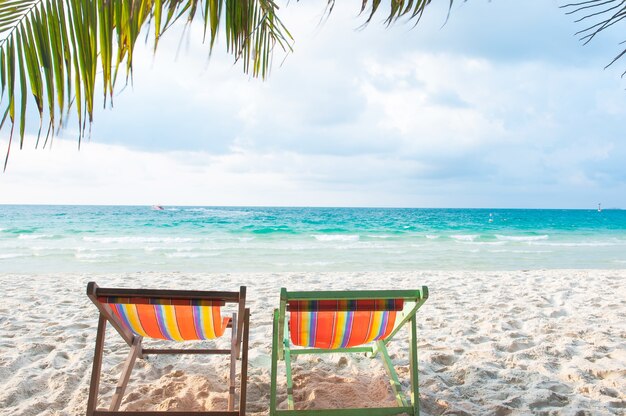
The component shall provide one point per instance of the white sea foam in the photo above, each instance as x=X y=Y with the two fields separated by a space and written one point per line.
x=578 y=244
x=371 y=244
x=180 y=251
x=54 y=252
x=42 y=248
x=245 y=239
x=488 y=243
x=89 y=249
x=188 y=255
x=188 y=249
x=336 y=237
x=397 y=252
x=464 y=237
x=6 y=256
x=521 y=251
x=303 y=264
x=379 y=236
x=34 y=236
x=222 y=213
x=522 y=238
x=129 y=239
x=92 y=256
x=177 y=249
x=317 y=263
x=153 y=249
x=432 y=237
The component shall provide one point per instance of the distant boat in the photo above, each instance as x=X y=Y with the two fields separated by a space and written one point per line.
x=157 y=208
x=599 y=208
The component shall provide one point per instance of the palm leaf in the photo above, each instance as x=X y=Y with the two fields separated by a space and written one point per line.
x=602 y=14
x=54 y=50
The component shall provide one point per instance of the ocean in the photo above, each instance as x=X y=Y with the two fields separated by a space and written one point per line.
x=100 y=239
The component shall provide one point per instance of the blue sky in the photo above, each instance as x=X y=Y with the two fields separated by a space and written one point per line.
x=501 y=107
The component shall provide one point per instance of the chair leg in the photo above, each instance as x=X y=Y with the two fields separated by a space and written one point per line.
x=233 y=363
x=290 y=404
x=287 y=355
x=415 y=393
x=391 y=372
x=94 y=385
x=242 y=313
x=274 y=369
x=135 y=350
x=244 y=364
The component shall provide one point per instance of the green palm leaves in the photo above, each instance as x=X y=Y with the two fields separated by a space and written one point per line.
x=53 y=50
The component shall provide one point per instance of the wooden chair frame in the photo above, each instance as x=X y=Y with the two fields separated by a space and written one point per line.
x=282 y=351
x=239 y=325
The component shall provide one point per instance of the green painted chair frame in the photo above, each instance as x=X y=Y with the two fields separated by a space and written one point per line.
x=239 y=325
x=282 y=351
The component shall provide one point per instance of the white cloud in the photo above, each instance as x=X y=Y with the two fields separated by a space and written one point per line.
x=103 y=174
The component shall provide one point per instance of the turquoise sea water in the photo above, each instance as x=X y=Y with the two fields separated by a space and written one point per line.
x=234 y=239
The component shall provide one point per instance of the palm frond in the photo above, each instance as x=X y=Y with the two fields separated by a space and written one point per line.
x=602 y=15
x=412 y=9
x=54 y=50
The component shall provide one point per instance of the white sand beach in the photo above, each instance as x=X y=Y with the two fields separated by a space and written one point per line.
x=491 y=343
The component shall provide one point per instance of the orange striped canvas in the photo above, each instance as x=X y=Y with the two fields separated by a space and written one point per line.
x=342 y=329
x=182 y=321
x=346 y=305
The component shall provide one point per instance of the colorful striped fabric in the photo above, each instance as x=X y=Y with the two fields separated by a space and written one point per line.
x=159 y=301
x=346 y=305
x=178 y=321
x=331 y=330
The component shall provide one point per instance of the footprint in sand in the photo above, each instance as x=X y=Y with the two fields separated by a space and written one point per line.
x=620 y=404
x=548 y=398
x=501 y=410
x=607 y=391
x=558 y=313
x=608 y=374
x=479 y=340
x=555 y=387
x=444 y=359
x=519 y=346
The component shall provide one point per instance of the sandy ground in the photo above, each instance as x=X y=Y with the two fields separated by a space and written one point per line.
x=491 y=343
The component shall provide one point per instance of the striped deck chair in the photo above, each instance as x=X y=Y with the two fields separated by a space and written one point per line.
x=172 y=315
x=346 y=322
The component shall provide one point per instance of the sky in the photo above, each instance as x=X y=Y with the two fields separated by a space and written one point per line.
x=501 y=106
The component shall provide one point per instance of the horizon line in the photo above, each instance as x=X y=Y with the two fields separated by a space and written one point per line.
x=307 y=206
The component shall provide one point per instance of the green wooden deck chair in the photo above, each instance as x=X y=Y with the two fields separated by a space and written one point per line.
x=172 y=315
x=346 y=322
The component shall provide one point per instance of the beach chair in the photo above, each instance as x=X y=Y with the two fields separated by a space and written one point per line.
x=173 y=315
x=346 y=322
